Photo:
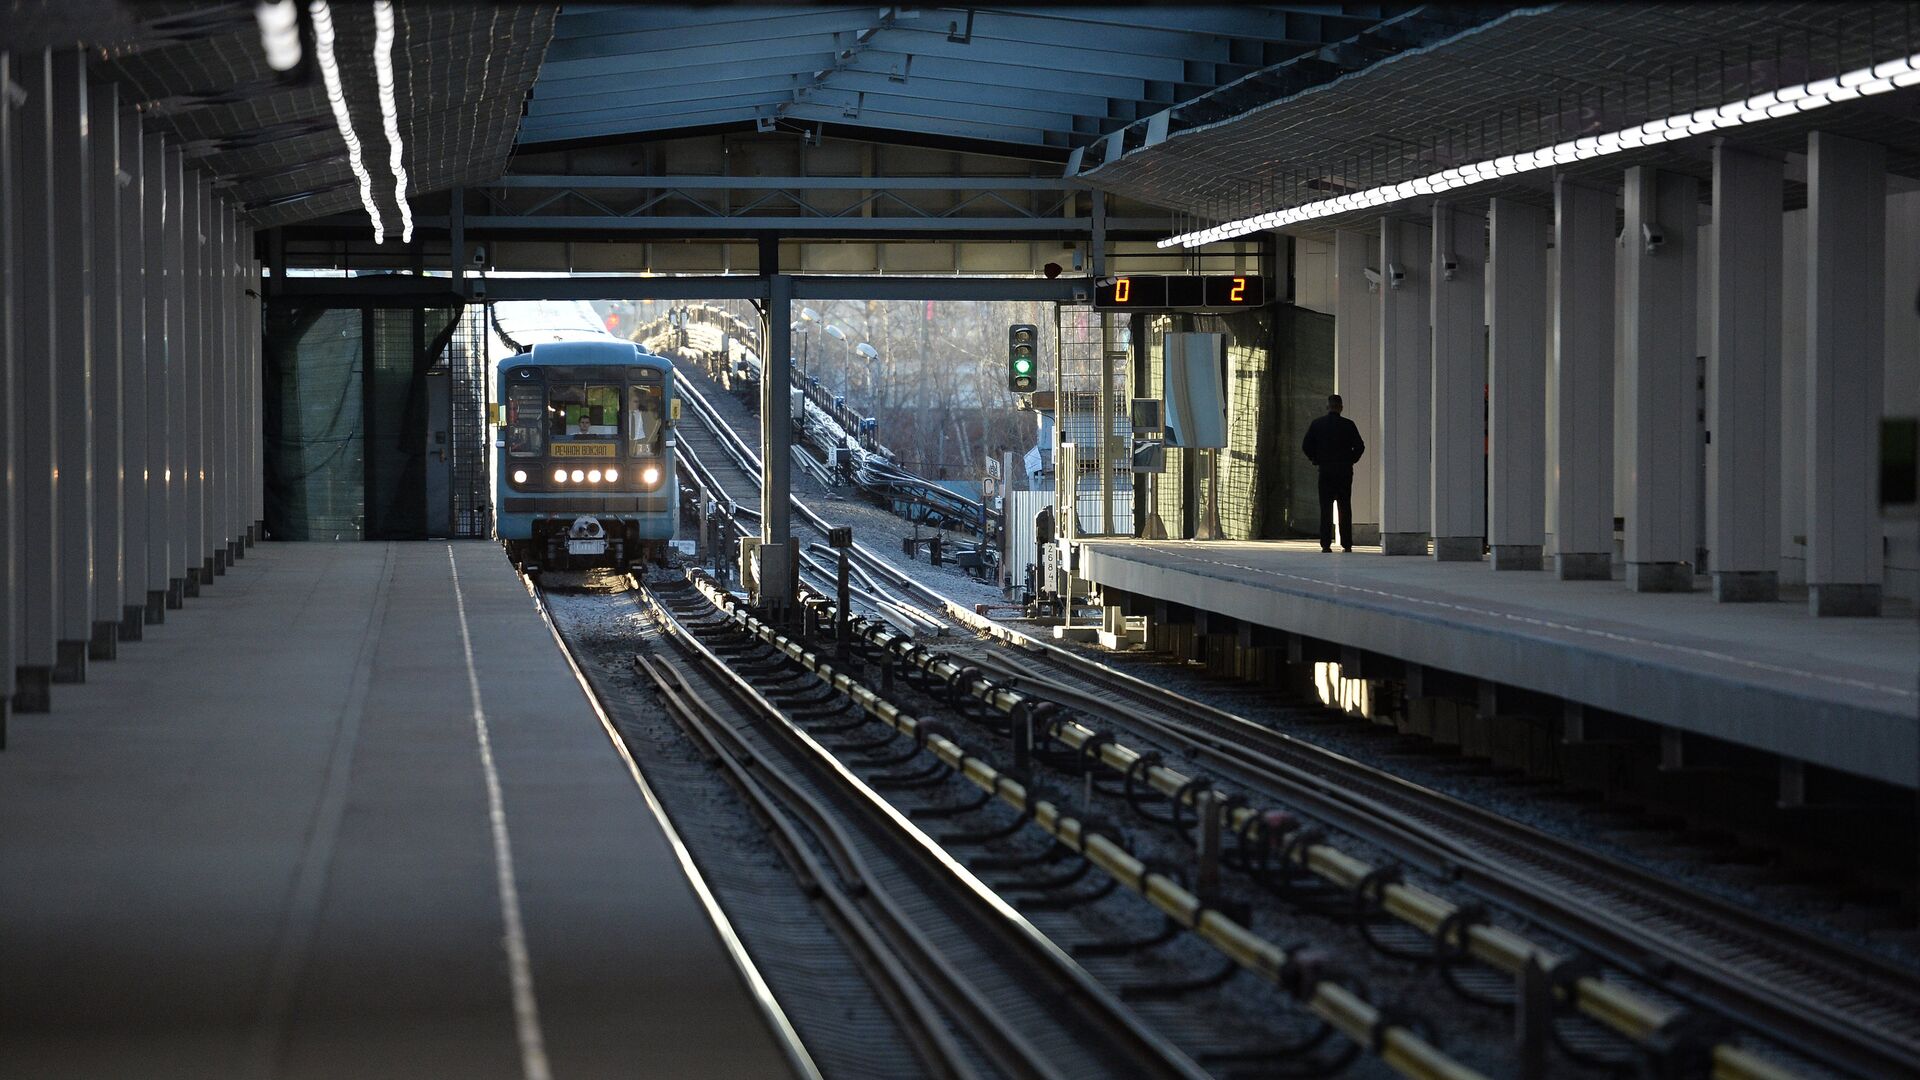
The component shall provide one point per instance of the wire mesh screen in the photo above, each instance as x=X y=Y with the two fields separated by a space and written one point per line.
x=1086 y=339
x=1255 y=471
x=314 y=423
x=466 y=359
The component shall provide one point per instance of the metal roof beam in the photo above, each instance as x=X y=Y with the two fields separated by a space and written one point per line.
x=772 y=50
x=531 y=133
x=701 y=27
x=992 y=94
x=855 y=104
x=786 y=183
x=1308 y=26
x=556 y=88
x=597 y=106
x=404 y=288
x=898 y=121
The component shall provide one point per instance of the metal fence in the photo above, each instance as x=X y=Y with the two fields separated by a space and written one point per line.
x=1093 y=350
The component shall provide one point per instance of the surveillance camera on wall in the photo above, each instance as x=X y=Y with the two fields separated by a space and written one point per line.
x=1654 y=238
x=479 y=288
x=1395 y=276
x=1373 y=278
x=480 y=256
x=1449 y=265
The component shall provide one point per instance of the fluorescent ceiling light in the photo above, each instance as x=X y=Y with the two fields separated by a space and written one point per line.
x=279 y=33
x=337 y=98
x=1786 y=101
x=389 y=112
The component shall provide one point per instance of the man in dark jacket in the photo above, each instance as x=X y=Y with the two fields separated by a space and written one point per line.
x=1333 y=443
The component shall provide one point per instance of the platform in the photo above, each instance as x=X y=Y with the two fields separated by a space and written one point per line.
x=261 y=844
x=1840 y=693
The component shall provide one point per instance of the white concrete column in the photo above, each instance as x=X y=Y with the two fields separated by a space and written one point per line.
x=1793 y=391
x=194 y=431
x=72 y=273
x=1582 y=484
x=133 y=379
x=1356 y=367
x=1457 y=272
x=236 y=522
x=1846 y=337
x=103 y=193
x=36 y=614
x=183 y=309
x=1406 y=387
x=217 y=352
x=1516 y=384
x=1743 y=376
x=158 y=468
x=256 y=427
x=9 y=416
x=1658 y=302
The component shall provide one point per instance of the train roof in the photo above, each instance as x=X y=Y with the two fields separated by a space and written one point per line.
x=604 y=350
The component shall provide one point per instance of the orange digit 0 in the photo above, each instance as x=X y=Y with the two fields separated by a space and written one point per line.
x=1122 y=290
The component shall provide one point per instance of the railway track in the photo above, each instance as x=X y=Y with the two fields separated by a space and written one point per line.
x=1835 y=1006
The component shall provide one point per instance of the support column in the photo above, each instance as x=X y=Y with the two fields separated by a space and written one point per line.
x=72 y=274
x=256 y=406
x=133 y=380
x=1743 y=376
x=776 y=443
x=1516 y=385
x=1582 y=484
x=153 y=197
x=236 y=523
x=183 y=343
x=193 y=429
x=1406 y=387
x=1846 y=341
x=179 y=510
x=1356 y=368
x=1658 y=304
x=213 y=381
x=9 y=416
x=103 y=195
x=37 y=610
x=1457 y=273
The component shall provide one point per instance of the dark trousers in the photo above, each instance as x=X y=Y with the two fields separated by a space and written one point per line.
x=1336 y=486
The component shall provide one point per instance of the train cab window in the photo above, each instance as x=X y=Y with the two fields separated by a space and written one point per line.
x=526 y=408
x=645 y=430
x=584 y=413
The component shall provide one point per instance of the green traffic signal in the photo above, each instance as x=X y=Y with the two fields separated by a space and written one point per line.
x=1021 y=338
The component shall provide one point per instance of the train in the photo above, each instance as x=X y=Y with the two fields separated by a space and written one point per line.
x=584 y=454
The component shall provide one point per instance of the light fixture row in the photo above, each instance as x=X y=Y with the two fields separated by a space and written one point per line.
x=280 y=39
x=1786 y=101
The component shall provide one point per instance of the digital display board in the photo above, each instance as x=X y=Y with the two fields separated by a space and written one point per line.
x=1224 y=292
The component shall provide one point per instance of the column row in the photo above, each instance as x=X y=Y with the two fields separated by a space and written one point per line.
x=1484 y=359
x=129 y=377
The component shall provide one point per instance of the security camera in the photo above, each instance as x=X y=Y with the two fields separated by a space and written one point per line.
x=1395 y=276
x=479 y=287
x=1654 y=238
x=1373 y=279
x=1079 y=295
x=480 y=256
x=1449 y=265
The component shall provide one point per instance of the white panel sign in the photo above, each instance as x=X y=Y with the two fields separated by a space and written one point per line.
x=1196 y=391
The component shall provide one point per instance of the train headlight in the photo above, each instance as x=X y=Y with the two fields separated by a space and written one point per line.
x=559 y=476
x=578 y=476
x=650 y=475
x=612 y=475
x=593 y=476
x=519 y=476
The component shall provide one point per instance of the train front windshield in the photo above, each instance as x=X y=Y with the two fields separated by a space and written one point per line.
x=583 y=418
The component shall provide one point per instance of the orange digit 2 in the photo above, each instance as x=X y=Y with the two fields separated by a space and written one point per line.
x=1239 y=290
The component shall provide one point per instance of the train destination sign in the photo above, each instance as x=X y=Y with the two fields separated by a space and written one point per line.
x=1222 y=292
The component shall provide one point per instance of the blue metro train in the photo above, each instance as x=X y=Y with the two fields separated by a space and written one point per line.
x=583 y=451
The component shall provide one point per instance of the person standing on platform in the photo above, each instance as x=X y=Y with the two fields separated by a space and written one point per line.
x=1333 y=443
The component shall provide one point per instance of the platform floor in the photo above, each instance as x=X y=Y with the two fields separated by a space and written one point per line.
x=1836 y=692
x=260 y=844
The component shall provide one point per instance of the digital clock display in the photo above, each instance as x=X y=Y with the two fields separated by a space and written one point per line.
x=1153 y=293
